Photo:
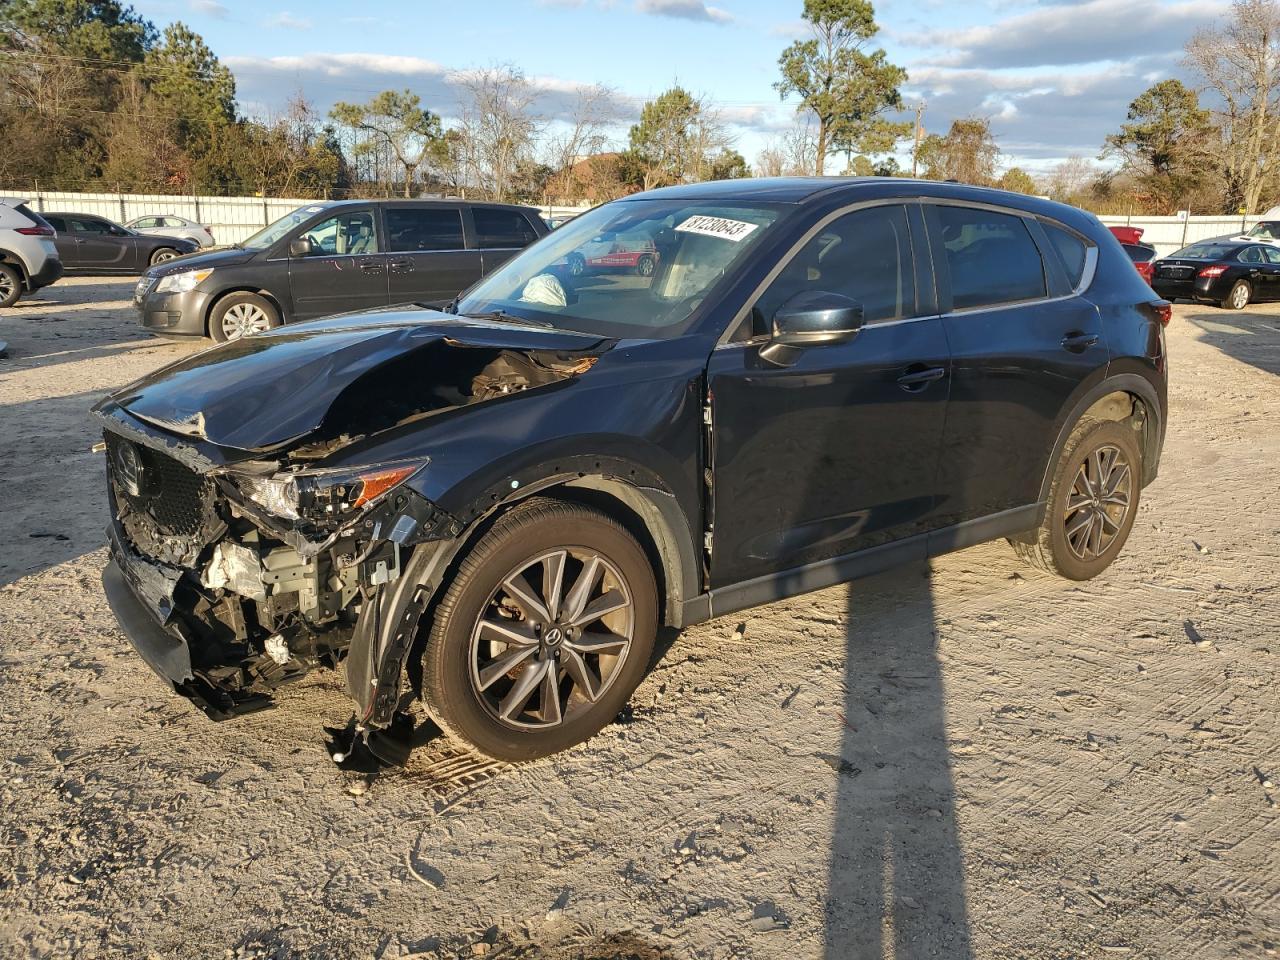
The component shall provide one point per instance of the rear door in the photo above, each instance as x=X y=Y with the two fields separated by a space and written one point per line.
x=1272 y=273
x=345 y=270
x=501 y=233
x=1022 y=340
x=428 y=257
x=835 y=449
x=64 y=242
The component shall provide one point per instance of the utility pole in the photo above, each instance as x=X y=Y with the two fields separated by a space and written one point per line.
x=919 y=132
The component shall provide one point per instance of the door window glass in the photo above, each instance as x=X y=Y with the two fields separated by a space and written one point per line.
x=991 y=257
x=348 y=234
x=58 y=223
x=146 y=223
x=1272 y=254
x=502 y=228
x=89 y=226
x=865 y=256
x=423 y=229
x=1071 y=249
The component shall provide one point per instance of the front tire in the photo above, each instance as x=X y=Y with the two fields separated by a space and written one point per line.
x=10 y=285
x=240 y=314
x=543 y=634
x=644 y=266
x=577 y=265
x=1239 y=296
x=1093 y=501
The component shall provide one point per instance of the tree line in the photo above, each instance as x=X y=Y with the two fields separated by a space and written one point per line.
x=93 y=96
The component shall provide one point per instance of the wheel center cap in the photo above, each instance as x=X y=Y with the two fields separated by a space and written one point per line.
x=553 y=637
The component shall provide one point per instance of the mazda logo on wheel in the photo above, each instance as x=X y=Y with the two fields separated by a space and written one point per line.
x=128 y=468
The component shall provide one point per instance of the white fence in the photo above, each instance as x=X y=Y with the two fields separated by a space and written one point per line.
x=230 y=218
x=1168 y=234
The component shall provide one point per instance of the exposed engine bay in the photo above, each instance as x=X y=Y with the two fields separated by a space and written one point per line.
x=270 y=565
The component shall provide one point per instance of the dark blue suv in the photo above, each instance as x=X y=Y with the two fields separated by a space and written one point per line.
x=497 y=505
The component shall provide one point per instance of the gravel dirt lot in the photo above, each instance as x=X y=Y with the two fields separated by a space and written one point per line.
x=965 y=760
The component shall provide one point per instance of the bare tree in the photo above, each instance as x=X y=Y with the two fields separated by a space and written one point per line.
x=771 y=161
x=585 y=134
x=1069 y=178
x=498 y=128
x=800 y=148
x=1240 y=63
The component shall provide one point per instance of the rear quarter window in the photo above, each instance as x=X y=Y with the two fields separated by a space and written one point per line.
x=990 y=256
x=1071 y=250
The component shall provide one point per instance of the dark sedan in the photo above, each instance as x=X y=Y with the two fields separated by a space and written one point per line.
x=1230 y=274
x=91 y=244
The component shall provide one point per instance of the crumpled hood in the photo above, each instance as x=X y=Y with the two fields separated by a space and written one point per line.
x=265 y=391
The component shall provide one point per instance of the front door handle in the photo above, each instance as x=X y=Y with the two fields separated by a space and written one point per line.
x=1078 y=342
x=371 y=266
x=919 y=376
x=405 y=265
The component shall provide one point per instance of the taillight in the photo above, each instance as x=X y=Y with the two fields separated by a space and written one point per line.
x=1216 y=270
x=1146 y=270
x=35 y=231
x=1163 y=311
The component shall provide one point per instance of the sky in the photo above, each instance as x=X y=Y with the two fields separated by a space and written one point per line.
x=1054 y=78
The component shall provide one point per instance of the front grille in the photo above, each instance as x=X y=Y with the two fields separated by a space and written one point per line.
x=165 y=506
x=178 y=495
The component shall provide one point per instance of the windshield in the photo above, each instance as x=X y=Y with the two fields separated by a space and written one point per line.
x=1265 y=231
x=269 y=235
x=632 y=268
x=1208 y=251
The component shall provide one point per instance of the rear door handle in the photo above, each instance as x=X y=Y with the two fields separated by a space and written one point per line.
x=405 y=265
x=1079 y=342
x=918 y=377
x=371 y=266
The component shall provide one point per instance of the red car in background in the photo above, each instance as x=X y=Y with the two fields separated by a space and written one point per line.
x=1140 y=253
x=614 y=251
x=1127 y=234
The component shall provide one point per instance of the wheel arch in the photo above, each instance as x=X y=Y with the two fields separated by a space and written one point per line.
x=241 y=288
x=15 y=261
x=1119 y=397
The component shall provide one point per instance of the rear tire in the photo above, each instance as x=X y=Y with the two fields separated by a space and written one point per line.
x=570 y=668
x=577 y=264
x=1092 y=503
x=644 y=266
x=10 y=285
x=238 y=314
x=1239 y=296
x=163 y=255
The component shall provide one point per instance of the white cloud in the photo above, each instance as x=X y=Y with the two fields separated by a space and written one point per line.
x=287 y=21
x=209 y=8
x=684 y=10
x=1088 y=32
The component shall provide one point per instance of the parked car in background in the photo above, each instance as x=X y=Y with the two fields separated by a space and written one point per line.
x=1127 y=234
x=1228 y=273
x=334 y=257
x=168 y=225
x=92 y=244
x=615 y=251
x=1142 y=255
x=28 y=255
x=498 y=506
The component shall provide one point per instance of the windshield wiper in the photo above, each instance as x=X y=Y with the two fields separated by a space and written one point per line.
x=500 y=317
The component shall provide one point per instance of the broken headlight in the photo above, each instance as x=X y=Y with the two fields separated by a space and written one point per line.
x=325 y=497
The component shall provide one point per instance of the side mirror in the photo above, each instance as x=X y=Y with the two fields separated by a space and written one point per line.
x=301 y=247
x=816 y=317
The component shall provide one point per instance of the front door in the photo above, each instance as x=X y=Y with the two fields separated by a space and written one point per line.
x=429 y=261
x=343 y=269
x=835 y=448
x=100 y=247
x=1270 y=273
x=1021 y=345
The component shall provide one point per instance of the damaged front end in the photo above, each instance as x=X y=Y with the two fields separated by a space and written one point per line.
x=237 y=570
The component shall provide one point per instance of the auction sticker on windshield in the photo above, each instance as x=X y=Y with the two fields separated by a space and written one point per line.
x=735 y=230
